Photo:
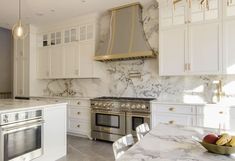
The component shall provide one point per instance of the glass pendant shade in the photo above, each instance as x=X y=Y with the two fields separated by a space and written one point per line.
x=18 y=29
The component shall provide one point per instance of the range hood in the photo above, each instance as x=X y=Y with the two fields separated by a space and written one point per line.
x=127 y=38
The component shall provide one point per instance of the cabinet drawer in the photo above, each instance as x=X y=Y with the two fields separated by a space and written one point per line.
x=80 y=103
x=79 y=127
x=79 y=113
x=175 y=109
x=213 y=110
x=185 y=120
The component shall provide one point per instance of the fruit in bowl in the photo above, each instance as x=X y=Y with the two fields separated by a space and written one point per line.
x=219 y=144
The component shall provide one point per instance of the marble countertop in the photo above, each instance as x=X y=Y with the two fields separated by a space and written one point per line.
x=9 y=105
x=171 y=143
x=62 y=97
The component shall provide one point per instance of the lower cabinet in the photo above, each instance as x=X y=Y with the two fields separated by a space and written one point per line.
x=210 y=116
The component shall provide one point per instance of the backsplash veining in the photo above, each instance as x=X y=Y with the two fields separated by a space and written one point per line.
x=118 y=80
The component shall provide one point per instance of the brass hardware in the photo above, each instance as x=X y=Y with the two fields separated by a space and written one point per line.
x=189 y=3
x=78 y=126
x=78 y=113
x=134 y=74
x=171 y=122
x=229 y=2
x=185 y=67
x=171 y=109
x=78 y=103
x=189 y=67
x=219 y=93
x=205 y=3
x=221 y=112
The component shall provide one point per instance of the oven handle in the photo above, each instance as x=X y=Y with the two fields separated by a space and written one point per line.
x=105 y=112
x=138 y=115
x=10 y=129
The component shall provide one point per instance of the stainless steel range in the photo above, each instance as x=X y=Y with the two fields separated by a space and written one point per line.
x=21 y=135
x=114 y=117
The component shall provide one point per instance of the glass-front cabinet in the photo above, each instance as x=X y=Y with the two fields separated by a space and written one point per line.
x=229 y=8
x=204 y=10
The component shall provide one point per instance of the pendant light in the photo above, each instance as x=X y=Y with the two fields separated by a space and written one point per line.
x=18 y=30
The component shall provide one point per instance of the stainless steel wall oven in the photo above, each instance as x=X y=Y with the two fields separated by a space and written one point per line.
x=21 y=136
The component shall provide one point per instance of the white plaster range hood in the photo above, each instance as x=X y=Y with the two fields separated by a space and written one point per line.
x=127 y=38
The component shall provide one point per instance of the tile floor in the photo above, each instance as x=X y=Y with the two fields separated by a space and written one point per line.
x=81 y=149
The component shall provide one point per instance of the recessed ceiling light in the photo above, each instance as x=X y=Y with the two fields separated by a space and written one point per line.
x=39 y=14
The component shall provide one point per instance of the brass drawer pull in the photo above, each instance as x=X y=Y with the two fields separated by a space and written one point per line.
x=78 y=126
x=78 y=103
x=78 y=113
x=171 y=122
x=221 y=112
x=171 y=109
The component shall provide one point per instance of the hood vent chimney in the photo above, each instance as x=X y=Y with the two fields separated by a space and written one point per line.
x=127 y=38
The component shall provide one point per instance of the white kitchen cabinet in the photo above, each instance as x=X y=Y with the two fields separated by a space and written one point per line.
x=68 y=55
x=172 y=15
x=43 y=62
x=57 y=62
x=195 y=46
x=229 y=47
x=229 y=9
x=71 y=58
x=205 y=48
x=54 y=133
x=173 y=51
x=79 y=118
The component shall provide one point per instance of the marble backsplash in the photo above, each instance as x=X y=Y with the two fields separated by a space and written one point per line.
x=139 y=78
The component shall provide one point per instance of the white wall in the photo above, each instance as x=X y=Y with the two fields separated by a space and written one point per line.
x=5 y=60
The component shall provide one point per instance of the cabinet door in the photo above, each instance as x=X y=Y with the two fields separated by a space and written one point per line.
x=229 y=47
x=57 y=62
x=173 y=14
x=71 y=57
x=86 y=53
x=173 y=51
x=43 y=62
x=229 y=9
x=205 y=48
x=204 y=12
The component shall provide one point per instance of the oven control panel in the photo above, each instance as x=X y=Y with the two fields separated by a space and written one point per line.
x=8 y=118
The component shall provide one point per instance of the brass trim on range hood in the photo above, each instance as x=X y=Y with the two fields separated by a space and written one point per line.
x=129 y=56
x=127 y=39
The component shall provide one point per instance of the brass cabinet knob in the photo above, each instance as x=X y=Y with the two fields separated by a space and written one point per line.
x=221 y=112
x=78 y=113
x=171 y=122
x=78 y=103
x=78 y=126
x=171 y=109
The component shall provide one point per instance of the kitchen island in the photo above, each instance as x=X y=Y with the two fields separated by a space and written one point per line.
x=32 y=130
x=171 y=143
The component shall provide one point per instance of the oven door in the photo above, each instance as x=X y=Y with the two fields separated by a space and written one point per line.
x=21 y=141
x=134 y=120
x=108 y=122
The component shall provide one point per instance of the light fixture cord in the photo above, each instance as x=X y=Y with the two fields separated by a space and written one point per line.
x=19 y=9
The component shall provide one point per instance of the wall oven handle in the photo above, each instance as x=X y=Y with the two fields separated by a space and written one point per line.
x=109 y=113
x=20 y=127
x=136 y=115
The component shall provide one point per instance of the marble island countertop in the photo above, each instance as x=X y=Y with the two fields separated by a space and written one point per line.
x=8 y=105
x=171 y=143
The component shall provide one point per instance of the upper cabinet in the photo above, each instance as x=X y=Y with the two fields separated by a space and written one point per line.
x=67 y=53
x=194 y=46
x=229 y=8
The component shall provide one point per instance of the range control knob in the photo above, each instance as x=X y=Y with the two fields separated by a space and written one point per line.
x=128 y=105
x=133 y=107
x=138 y=106
x=123 y=105
x=100 y=104
x=5 y=119
x=143 y=107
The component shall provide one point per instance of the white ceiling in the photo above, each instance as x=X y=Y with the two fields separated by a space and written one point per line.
x=40 y=12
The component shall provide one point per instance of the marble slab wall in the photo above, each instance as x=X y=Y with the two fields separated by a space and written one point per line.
x=139 y=78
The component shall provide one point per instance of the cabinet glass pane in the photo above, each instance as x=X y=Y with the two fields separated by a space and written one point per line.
x=52 y=38
x=83 y=33
x=213 y=11
x=73 y=35
x=89 y=31
x=45 y=40
x=58 y=38
x=66 y=36
x=231 y=8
